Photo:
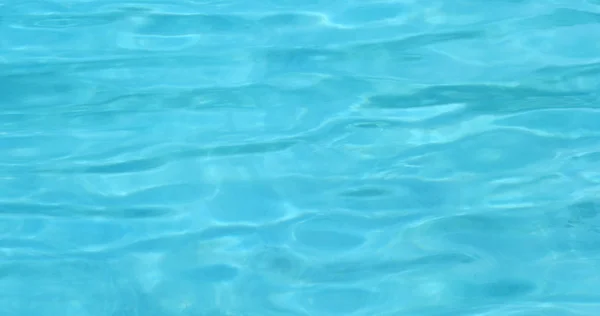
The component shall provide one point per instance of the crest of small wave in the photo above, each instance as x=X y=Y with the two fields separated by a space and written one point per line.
x=225 y=157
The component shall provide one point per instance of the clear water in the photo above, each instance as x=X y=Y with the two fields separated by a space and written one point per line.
x=299 y=157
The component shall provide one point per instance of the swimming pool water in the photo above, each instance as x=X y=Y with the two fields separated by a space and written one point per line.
x=299 y=157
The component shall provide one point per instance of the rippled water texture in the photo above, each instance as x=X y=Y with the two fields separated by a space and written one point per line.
x=299 y=157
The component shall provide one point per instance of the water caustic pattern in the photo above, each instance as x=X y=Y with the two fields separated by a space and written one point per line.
x=299 y=157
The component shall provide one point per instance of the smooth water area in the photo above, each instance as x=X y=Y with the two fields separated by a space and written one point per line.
x=299 y=157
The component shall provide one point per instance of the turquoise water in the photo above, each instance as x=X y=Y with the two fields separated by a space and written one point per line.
x=299 y=157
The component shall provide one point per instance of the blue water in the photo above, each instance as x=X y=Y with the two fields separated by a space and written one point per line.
x=299 y=157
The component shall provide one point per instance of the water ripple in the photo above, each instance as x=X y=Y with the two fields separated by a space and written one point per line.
x=223 y=157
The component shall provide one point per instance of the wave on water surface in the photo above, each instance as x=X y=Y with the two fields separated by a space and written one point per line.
x=299 y=157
